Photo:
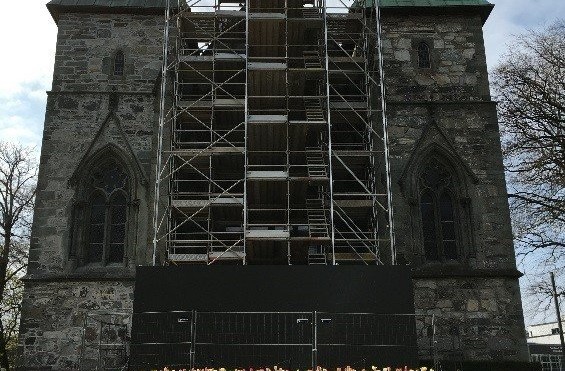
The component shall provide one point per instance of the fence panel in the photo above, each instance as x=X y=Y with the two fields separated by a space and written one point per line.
x=251 y=340
x=290 y=340
x=163 y=338
x=104 y=341
x=358 y=339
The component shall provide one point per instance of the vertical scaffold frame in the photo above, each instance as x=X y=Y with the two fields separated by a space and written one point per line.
x=272 y=143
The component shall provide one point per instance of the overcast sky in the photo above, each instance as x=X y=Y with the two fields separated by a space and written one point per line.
x=28 y=36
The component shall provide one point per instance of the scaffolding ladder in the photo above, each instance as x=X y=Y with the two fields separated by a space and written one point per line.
x=273 y=139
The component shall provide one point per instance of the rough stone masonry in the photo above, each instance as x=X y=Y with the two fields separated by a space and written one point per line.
x=444 y=111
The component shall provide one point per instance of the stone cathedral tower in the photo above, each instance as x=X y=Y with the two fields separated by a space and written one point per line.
x=308 y=189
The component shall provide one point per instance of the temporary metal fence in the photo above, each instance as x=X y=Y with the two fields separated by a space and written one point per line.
x=105 y=341
x=291 y=340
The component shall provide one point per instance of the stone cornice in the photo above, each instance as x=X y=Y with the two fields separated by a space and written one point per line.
x=440 y=102
x=83 y=275
x=447 y=272
x=60 y=92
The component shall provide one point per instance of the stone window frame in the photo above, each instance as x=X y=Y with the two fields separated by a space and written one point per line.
x=119 y=63
x=463 y=195
x=80 y=215
x=109 y=62
x=449 y=188
x=424 y=61
x=415 y=55
x=109 y=196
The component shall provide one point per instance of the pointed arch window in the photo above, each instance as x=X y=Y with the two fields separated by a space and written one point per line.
x=438 y=214
x=119 y=63
x=107 y=214
x=424 y=59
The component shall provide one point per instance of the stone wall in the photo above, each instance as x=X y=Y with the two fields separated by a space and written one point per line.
x=470 y=318
x=55 y=323
x=446 y=108
x=87 y=44
x=89 y=111
x=464 y=129
x=78 y=126
x=458 y=63
x=90 y=108
x=467 y=134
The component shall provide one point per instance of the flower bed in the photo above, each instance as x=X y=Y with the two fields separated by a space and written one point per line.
x=276 y=368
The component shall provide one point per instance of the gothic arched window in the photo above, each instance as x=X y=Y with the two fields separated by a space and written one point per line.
x=437 y=209
x=119 y=63
x=107 y=214
x=424 y=60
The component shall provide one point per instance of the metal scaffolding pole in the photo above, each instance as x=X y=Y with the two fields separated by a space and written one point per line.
x=385 y=131
x=272 y=154
x=158 y=163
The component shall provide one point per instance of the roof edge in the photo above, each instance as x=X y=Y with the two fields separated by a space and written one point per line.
x=484 y=10
x=56 y=10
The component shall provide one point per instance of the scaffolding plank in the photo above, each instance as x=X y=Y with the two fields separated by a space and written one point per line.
x=229 y=102
x=343 y=16
x=268 y=234
x=267 y=175
x=212 y=14
x=231 y=13
x=230 y=57
x=228 y=201
x=266 y=66
x=227 y=255
x=359 y=60
x=209 y=151
x=188 y=257
x=226 y=103
x=267 y=119
x=196 y=58
x=267 y=16
x=353 y=204
x=198 y=204
x=186 y=14
x=348 y=105
x=352 y=153
x=306 y=122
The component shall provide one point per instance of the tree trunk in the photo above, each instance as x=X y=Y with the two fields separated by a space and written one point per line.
x=3 y=271
x=4 y=261
x=4 y=361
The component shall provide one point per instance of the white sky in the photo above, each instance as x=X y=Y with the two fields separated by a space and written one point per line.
x=28 y=35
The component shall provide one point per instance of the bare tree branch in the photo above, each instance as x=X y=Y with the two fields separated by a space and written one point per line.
x=18 y=172
x=530 y=86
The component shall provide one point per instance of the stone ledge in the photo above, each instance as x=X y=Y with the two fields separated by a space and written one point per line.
x=104 y=92
x=82 y=275
x=453 y=271
x=440 y=102
x=425 y=272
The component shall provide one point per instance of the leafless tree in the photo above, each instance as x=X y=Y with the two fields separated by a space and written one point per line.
x=18 y=173
x=530 y=88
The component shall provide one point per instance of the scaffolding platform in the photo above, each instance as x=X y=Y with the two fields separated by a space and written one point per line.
x=273 y=141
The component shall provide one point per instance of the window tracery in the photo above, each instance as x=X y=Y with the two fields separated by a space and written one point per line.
x=107 y=209
x=438 y=212
x=424 y=60
x=119 y=63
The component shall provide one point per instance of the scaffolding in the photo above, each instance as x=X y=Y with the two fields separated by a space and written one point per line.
x=272 y=145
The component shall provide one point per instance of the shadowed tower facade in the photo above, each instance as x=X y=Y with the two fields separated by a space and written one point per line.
x=293 y=132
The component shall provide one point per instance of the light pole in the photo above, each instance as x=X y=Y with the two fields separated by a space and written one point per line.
x=558 y=312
